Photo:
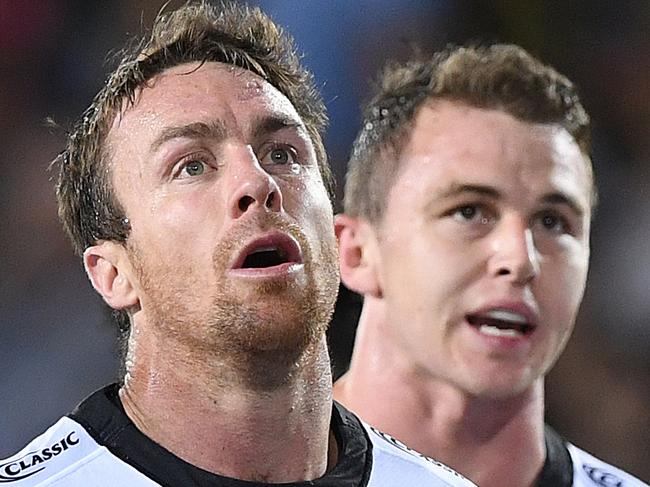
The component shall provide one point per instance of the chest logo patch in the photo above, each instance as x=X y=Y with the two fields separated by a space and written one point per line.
x=33 y=462
x=602 y=477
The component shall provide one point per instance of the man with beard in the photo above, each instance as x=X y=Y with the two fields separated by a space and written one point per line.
x=194 y=187
x=468 y=204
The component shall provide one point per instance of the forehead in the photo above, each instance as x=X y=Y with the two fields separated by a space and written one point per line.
x=454 y=143
x=200 y=92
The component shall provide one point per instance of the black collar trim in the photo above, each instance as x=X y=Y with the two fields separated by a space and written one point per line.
x=558 y=467
x=104 y=418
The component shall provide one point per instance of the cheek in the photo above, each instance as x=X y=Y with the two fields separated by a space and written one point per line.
x=306 y=200
x=172 y=224
x=421 y=255
x=411 y=276
x=188 y=210
x=428 y=279
x=562 y=287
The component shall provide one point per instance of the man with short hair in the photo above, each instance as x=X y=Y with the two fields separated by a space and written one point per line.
x=468 y=205
x=195 y=188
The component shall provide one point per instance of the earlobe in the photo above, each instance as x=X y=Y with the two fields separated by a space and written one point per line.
x=358 y=255
x=105 y=265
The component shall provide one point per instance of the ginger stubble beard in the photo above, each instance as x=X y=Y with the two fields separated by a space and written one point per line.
x=254 y=337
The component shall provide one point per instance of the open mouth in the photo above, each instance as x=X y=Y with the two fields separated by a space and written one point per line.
x=265 y=257
x=501 y=323
x=269 y=251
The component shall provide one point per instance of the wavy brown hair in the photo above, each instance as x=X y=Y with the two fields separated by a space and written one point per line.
x=500 y=76
x=197 y=32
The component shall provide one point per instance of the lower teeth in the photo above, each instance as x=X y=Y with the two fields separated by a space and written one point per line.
x=499 y=332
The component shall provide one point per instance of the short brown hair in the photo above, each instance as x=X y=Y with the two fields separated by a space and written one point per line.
x=197 y=32
x=500 y=76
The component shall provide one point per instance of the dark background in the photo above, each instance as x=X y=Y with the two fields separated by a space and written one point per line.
x=56 y=343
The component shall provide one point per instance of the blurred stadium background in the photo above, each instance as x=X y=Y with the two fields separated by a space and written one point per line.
x=57 y=344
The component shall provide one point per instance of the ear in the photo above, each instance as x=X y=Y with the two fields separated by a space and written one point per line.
x=109 y=271
x=358 y=255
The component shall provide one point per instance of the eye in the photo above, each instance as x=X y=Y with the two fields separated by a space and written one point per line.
x=472 y=213
x=279 y=156
x=553 y=222
x=194 y=168
x=194 y=165
x=466 y=212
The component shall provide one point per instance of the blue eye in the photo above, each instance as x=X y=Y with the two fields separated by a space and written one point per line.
x=279 y=156
x=194 y=168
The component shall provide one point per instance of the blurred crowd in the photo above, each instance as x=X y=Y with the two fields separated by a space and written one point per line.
x=56 y=340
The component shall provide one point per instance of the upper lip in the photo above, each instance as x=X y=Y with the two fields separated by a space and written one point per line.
x=281 y=241
x=517 y=307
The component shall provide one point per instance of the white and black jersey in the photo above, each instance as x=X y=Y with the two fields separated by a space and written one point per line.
x=568 y=466
x=98 y=445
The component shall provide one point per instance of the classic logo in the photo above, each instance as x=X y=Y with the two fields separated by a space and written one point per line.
x=32 y=462
x=601 y=477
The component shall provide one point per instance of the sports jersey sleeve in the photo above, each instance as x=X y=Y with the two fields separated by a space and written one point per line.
x=396 y=464
x=66 y=455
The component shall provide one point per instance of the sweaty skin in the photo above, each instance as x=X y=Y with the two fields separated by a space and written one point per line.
x=201 y=164
x=487 y=220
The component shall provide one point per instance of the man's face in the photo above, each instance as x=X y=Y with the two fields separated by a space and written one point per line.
x=484 y=247
x=231 y=243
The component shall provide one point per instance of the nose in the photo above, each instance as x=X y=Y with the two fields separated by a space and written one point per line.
x=515 y=256
x=252 y=188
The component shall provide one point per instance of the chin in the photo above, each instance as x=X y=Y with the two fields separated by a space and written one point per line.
x=286 y=327
x=499 y=385
x=500 y=392
x=286 y=334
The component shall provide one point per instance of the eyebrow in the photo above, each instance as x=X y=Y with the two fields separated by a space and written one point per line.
x=274 y=123
x=196 y=130
x=558 y=198
x=217 y=131
x=456 y=189
x=554 y=198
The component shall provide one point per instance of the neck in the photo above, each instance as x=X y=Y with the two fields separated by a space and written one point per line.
x=493 y=442
x=181 y=400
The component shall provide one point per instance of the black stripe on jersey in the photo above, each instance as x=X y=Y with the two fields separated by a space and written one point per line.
x=104 y=418
x=558 y=467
